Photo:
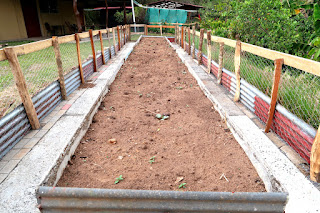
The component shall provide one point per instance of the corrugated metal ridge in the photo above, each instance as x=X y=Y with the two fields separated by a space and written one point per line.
x=59 y=199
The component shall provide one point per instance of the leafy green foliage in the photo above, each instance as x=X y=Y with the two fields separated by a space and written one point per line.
x=182 y=185
x=152 y=160
x=118 y=179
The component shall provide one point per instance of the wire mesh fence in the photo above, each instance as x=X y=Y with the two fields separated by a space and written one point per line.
x=299 y=92
x=215 y=51
x=69 y=56
x=9 y=94
x=228 y=58
x=257 y=71
x=85 y=50
x=39 y=69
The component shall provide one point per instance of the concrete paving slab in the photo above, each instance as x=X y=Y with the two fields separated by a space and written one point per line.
x=46 y=161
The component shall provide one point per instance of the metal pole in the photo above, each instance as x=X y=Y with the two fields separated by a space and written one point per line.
x=133 y=16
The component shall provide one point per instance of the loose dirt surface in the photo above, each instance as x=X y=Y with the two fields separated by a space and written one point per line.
x=193 y=146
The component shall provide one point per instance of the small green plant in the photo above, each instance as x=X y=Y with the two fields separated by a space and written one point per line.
x=152 y=160
x=182 y=185
x=179 y=88
x=162 y=117
x=118 y=179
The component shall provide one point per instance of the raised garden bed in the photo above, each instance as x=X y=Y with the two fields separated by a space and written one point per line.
x=156 y=130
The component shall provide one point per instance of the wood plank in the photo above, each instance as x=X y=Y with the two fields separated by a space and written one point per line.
x=274 y=94
x=209 y=51
x=168 y=27
x=315 y=159
x=104 y=31
x=137 y=25
x=66 y=39
x=129 y=33
x=161 y=30
x=32 y=47
x=194 y=42
x=237 y=70
x=56 y=48
x=221 y=52
x=185 y=39
x=93 y=52
x=304 y=64
x=102 y=49
x=95 y=32
x=200 y=46
x=22 y=87
x=124 y=35
x=153 y=26
x=79 y=58
x=83 y=35
x=146 y=30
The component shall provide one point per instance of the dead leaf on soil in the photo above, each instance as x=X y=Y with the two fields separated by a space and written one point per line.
x=112 y=141
x=178 y=179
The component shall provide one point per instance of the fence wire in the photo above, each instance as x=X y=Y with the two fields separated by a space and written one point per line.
x=39 y=69
x=257 y=71
x=9 y=94
x=215 y=51
x=85 y=49
x=299 y=92
x=228 y=58
x=97 y=44
x=69 y=56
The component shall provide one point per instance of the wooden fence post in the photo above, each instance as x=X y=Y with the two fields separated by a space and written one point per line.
x=79 y=58
x=189 y=40
x=274 y=94
x=124 y=34
x=182 y=36
x=145 y=29
x=179 y=36
x=209 y=51
x=22 y=87
x=93 y=52
x=161 y=30
x=315 y=159
x=109 y=42
x=114 y=39
x=175 y=34
x=57 y=53
x=194 y=41
x=129 y=32
x=102 y=49
x=237 y=70
x=220 y=62
x=200 y=46
x=119 y=41
x=185 y=38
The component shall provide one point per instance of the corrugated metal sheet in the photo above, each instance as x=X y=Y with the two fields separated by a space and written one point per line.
x=13 y=127
x=297 y=133
x=88 y=68
x=72 y=79
x=58 y=199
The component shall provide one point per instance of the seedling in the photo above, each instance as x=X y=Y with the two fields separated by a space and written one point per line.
x=140 y=95
x=152 y=160
x=182 y=185
x=184 y=72
x=179 y=88
x=118 y=179
x=162 y=117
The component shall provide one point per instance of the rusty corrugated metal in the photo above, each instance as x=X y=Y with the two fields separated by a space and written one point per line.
x=59 y=199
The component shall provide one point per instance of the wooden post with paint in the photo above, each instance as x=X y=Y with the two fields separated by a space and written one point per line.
x=221 y=51
x=22 y=87
x=237 y=70
x=194 y=41
x=114 y=40
x=189 y=41
x=102 y=49
x=93 y=52
x=209 y=51
x=200 y=46
x=315 y=159
x=274 y=94
x=57 y=53
x=182 y=37
x=119 y=40
x=79 y=58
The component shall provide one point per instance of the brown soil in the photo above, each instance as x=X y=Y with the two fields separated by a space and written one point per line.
x=194 y=143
